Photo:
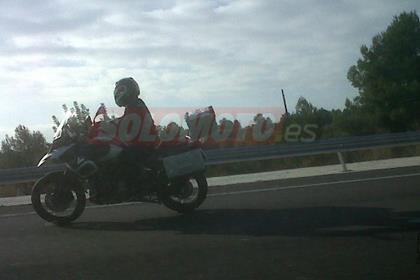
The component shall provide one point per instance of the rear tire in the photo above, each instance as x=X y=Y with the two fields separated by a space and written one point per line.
x=61 y=181
x=187 y=207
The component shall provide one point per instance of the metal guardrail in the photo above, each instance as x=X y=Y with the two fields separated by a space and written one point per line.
x=335 y=145
x=258 y=152
x=27 y=174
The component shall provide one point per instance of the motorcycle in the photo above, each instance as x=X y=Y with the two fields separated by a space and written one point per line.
x=172 y=175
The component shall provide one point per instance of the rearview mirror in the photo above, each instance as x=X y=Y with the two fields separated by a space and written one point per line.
x=88 y=121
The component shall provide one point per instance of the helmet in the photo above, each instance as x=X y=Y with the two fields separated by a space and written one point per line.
x=126 y=92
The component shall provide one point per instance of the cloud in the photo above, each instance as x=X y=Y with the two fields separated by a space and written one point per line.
x=184 y=53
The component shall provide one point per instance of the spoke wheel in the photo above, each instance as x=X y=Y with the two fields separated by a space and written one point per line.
x=186 y=195
x=58 y=198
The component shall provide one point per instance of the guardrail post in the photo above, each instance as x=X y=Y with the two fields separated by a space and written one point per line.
x=343 y=163
x=19 y=190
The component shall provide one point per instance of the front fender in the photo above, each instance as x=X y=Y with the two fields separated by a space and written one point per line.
x=55 y=155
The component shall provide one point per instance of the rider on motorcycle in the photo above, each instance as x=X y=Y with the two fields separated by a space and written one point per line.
x=134 y=131
x=113 y=164
x=126 y=94
x=139 y=148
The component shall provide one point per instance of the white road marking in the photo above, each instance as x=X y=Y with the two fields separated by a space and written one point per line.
x=17 y=214
x=316 y=185
x=110 y=205
x=247 y=191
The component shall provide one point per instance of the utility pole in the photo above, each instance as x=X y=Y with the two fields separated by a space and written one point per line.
x=284 y=102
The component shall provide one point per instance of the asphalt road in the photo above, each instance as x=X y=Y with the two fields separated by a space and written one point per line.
x=347 y=226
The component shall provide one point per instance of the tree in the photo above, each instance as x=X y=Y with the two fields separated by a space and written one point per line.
x=304 y=107
x=23 y=149
x=388 y=75
x=353 y=120
x=81 y=113
x=77 y=122
x=307 y=114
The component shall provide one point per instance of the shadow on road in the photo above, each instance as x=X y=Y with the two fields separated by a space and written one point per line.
x=321 y=221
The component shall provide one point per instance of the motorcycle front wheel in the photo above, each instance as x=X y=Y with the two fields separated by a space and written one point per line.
x=186 y=194
x=58 y=198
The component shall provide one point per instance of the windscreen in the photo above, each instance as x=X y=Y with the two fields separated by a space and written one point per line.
x=65 y=120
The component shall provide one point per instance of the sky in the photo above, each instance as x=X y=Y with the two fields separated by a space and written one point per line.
x=183 y=53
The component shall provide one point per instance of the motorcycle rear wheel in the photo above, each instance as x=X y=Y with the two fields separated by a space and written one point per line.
x=185 y=200
x=52 y=196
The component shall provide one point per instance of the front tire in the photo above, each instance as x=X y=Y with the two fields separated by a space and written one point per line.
x=53 y=194
x=186 y=203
